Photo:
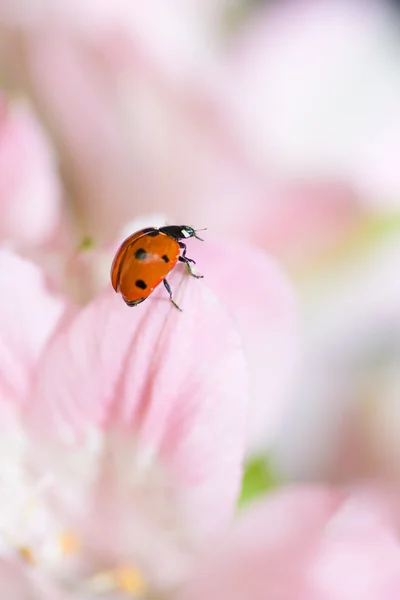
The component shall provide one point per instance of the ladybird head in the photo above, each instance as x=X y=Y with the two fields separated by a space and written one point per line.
x=188 y=232
x=181 y=232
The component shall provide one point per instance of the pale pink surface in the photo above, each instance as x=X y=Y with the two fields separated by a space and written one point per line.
x=303 y=223
x=139 y=416
x=29 y=187
x=179 y=29
x=303 y=545
x=349 y=430
x=262 y=301
x=131 y=135
x=18 y=583
x=28 y=317
x=14 y=583
x=319 y=93
x=132 y=432
x=145 y=128
x=151 y=146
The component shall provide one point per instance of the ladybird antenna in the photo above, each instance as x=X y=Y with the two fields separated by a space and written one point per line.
x=196 y=236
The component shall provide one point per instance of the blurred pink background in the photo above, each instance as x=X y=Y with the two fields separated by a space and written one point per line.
x=275 y=125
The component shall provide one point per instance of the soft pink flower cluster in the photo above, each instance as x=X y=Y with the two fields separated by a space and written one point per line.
x=124 y=432
x=123 y=436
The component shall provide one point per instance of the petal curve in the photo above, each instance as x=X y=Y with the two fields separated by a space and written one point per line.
x=263 y=305
x=174 y=383
x=28 y=317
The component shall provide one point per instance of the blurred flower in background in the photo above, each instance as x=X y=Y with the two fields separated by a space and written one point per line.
x=30 y=191
x=140 y=446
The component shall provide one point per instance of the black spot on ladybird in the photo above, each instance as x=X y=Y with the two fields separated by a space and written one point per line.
x=141 y=284
x=153 y=233
x=140 y=254
x=165 y=258
x=134 y=302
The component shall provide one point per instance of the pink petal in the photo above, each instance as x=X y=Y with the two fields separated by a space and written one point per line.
x=29 y=187
x=19 y=583
x=125 y=85
x=302 y=545
x=176 y=382
x=14 y=582
x=302 y=224
x=179 y=39
x=28 y=316
x=267 y=550
x=349 y=430
x=359 y=556
x=337 y=60
x=130 y=91
x=263 y=305
x=262 y=302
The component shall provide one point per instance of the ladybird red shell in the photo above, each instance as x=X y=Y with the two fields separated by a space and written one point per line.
x=145 y=258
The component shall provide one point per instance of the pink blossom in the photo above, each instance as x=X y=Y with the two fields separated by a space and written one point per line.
x=28 y=316
x=20 y=583
x=350 y=430
x=146 y=128
x=260 y=299
x=143 y=130
x=269 y=324
x=129 y=442
x=304 y=544
x=29 y=186
x=305 y=224
x=128 y=91
x=98 y=21
x=319 y=93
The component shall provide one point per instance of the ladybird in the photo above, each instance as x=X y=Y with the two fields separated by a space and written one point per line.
x=146 y=257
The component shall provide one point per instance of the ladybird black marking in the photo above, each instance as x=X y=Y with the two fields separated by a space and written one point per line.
x=153 y=233
x=135 y=302
x=165 y=258
x=140 y=254
x=141 y=284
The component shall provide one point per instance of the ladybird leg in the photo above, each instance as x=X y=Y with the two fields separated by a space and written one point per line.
x=187 y=262
x=182 y=245
x=168 y=288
